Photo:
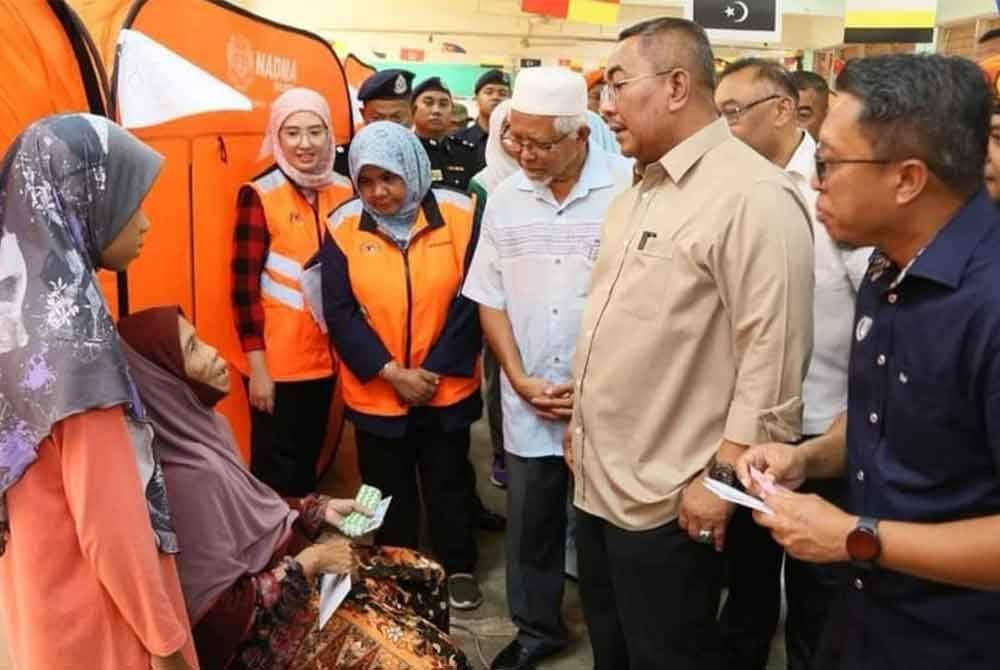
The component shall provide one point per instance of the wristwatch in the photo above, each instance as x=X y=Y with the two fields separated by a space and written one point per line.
x=863 y=545
x=725 y=473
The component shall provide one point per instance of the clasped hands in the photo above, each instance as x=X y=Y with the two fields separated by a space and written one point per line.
x=550 y=401
x=414 y=386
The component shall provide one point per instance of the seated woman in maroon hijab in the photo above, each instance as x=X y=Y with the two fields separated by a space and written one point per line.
x=249 y=560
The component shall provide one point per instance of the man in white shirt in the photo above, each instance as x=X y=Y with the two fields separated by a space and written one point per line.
x=530 y=273
x=758 y=98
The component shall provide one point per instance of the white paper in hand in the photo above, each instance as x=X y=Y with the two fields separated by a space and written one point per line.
x=733 y=495
x=334 y=589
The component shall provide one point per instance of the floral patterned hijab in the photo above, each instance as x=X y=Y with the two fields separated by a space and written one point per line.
x=68 y=185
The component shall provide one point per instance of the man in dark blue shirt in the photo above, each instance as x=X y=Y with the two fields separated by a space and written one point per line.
x=899 y=167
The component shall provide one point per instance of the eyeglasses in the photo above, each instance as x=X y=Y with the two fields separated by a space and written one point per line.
x=609 y=94
x=822 y=164
x=732 y=112
x=537 y=148
x=313 y=135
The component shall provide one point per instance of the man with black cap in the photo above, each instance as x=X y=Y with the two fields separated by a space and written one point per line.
x=384 y=96
x=492 y=88
x=453 y=161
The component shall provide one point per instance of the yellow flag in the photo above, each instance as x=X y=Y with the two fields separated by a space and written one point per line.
x=903 y=21
x=600 y=12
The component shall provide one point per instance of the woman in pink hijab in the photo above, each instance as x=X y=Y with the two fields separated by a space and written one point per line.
x=288 y=368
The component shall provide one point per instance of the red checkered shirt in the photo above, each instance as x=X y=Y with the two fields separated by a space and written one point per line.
x=251 y=242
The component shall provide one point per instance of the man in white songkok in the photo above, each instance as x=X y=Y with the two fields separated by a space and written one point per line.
x=540 y=234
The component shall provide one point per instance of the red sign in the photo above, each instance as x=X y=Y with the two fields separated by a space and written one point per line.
x=556 y=8
x=411 y=54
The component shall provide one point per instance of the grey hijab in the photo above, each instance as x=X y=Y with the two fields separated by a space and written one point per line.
x=68 y=185
x=395 y=149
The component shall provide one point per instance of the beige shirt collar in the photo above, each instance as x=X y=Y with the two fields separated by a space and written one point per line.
x=679 y=160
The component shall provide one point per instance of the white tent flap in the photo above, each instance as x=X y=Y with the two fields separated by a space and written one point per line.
x=156 y=85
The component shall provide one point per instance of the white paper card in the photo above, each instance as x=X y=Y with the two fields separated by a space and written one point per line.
x=311 y=282
x=732 y=495
x=333 y=591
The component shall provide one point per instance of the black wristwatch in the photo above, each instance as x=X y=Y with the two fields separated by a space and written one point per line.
x=725 y=473
x=863 y=545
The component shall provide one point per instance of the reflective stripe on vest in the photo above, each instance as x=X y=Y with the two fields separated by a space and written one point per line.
x=286 y=296
x=283 y=265
x=295 y=347
x=405 y=296
x=271 y=181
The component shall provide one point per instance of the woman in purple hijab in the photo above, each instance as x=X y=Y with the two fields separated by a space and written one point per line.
x=251 y=560
x=86 y=542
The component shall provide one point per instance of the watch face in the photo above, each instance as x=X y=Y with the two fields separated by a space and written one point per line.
x=862 y=545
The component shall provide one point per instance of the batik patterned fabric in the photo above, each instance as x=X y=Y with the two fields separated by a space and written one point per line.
x=68 y=186
x=394 y=619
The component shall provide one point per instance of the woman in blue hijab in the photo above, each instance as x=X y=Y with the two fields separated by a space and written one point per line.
x=408 y=342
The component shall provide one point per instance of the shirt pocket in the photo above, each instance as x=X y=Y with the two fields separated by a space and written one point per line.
x=645 y=275
x=574 y=244
x=930 y=421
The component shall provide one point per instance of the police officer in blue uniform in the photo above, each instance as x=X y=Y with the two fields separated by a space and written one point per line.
x=384 y=96
x=453 y=161
x=492 y=88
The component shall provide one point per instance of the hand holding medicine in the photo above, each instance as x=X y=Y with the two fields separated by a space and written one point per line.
x=356 y=523
x=340 y=508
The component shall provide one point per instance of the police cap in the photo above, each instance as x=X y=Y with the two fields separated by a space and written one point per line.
x=386 y=85
x=430 y=84
x=495 y=77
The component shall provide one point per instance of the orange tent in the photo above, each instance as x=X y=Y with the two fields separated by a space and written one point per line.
x=357 y=71
x=49 y=65
x=193 y=204
x=53 y=66
x=103 y=19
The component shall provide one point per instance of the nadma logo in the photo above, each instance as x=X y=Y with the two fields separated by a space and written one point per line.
x=239 y=58
x=244 y=63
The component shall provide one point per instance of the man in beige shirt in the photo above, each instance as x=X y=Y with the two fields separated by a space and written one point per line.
x=695 y=341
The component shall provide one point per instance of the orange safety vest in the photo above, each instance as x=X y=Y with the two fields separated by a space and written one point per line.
x=295 y=347
x=405 y=295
